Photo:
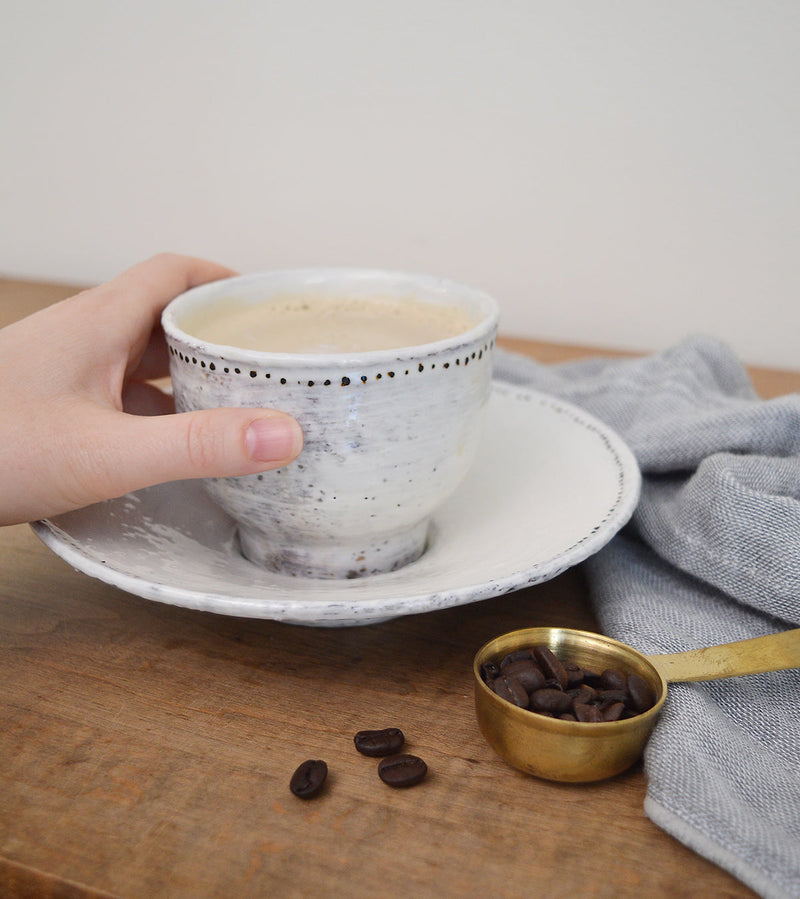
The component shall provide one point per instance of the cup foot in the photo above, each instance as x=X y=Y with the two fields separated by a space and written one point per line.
x=335 y=560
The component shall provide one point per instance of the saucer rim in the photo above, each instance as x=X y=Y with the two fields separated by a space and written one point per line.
x=361 y=611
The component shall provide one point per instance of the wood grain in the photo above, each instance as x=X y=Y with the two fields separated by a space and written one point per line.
x=148 y=749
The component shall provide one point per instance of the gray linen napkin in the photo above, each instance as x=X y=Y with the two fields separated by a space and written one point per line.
x=712 y=555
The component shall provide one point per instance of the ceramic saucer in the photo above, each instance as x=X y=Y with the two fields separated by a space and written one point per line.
x=550 y=487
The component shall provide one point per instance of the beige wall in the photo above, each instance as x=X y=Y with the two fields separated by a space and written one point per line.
x=619 y=173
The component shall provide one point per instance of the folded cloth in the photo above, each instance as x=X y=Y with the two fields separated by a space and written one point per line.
x=712 y=555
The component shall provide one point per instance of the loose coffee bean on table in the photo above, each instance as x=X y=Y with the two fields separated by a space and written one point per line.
x=309 y=778
x=402 y=770
x=536 y=680
x=395 y=769
x=375 y=743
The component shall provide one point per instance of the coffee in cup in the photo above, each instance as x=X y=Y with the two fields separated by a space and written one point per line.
x=310 y=323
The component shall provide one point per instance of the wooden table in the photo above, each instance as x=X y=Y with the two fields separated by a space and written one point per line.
x=147 y=749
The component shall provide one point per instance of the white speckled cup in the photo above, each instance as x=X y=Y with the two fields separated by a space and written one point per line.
x=389 y=434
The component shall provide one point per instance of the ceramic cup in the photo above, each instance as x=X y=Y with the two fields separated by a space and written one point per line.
x=389 y=434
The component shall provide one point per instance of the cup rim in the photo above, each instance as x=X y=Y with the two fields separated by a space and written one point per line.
x=484 y=329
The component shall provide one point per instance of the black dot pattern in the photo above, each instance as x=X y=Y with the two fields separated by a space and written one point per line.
x=476 y=356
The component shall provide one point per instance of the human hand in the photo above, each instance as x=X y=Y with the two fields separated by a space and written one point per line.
x=81 y=420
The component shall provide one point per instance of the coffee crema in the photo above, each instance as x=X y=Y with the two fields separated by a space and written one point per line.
x=322 y=324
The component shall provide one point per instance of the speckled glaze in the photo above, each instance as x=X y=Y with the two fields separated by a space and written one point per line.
x=389 y=435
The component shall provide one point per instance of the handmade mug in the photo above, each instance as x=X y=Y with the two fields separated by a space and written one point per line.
x=389 y=432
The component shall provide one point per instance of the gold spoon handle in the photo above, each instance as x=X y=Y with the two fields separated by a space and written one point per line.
x=775 y=652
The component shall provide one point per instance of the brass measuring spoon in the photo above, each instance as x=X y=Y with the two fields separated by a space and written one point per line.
x=580 y=751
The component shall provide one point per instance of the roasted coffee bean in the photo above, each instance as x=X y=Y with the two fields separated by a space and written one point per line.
x=591 y=678
x=527 y=672
x=510 y=689
x=611 y=679
x=608 y=696
x=308 y=779
x=549 y=700
x=489 y=671
x=570 y=691
x=515 y=657
x=584 y=693
x=376 y=743
x=550 y=665
x=612 y=712
x=585 y=712
x=574 y=674
x=640 y=693
x=402 y=770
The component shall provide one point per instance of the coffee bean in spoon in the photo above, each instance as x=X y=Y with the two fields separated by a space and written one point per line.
x=640 y=693
x=537 y=680
x=510 y=689
x=527 y=672
x=552 y=668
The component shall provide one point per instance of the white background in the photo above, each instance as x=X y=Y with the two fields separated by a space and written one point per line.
x=616 y=173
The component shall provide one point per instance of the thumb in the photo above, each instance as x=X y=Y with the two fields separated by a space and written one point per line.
x=208 y=443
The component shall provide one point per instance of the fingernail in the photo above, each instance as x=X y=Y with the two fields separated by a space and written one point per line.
x=275 y=439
